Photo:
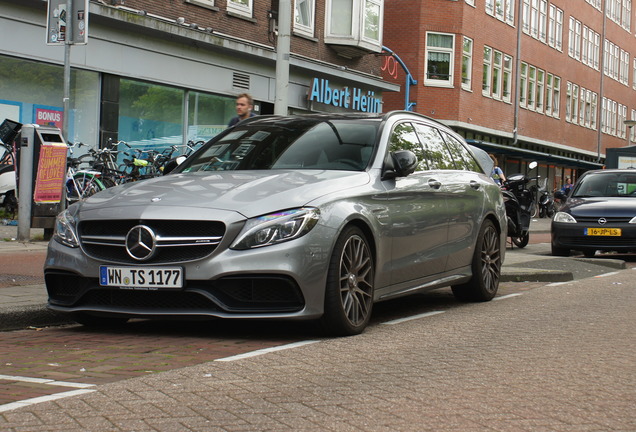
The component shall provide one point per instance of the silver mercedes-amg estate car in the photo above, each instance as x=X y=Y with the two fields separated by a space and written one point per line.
x=302 y=217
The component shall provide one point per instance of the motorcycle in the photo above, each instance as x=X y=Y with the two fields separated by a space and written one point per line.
x=546 y=201
x=521 y=202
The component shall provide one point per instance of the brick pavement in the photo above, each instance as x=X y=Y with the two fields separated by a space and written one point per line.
x=557 y=358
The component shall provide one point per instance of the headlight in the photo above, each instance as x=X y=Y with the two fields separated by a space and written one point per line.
x=633 y=220
x=276 y=228
x=564 y=218
x=64 y=231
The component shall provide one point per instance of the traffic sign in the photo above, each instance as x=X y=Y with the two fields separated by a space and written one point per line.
x=59 y=22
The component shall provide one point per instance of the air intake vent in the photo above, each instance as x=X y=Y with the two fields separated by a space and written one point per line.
x=241 y=81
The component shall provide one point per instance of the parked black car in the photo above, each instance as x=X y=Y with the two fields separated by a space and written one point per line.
x=599 y=214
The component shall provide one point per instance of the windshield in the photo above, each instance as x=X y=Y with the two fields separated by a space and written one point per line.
x=308 y=144
x=606 y=185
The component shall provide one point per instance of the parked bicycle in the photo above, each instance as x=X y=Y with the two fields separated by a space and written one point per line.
x=81 y=180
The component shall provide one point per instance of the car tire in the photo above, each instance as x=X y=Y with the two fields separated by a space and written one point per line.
x=350 y=285
x=589 y=253
x=522 y=241
x=97 y=321
x=562 y=252
x=486 y=268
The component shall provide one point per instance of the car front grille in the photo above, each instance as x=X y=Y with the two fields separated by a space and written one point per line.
x=599 y=241
x=253 y=294
x=609 y=220
x=176 y=240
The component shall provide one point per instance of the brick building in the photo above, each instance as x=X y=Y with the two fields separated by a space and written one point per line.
x=546 y=80
x=161 y=72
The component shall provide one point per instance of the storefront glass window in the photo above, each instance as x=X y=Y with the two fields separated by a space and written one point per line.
x=150 y=115
x=32 y=93
x=208 y=115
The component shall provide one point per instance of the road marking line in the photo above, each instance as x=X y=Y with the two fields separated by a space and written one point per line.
x=36 y=400
x=507 y=296
x=265 y=351
x=606 y=274
x=401 y=320
x=559 y=283
x=45 y=381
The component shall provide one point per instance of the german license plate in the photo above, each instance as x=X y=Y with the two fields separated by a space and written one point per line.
x=141 y=277
x=613 y=232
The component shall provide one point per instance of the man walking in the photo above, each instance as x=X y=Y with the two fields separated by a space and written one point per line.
x=244 y=107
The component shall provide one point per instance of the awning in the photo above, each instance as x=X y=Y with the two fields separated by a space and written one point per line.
x=562 y=161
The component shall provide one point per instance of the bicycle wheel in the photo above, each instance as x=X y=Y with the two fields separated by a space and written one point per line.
x=87 y=184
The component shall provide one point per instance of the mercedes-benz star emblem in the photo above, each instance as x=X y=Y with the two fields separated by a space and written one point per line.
x=141 y=242
x=602 y=221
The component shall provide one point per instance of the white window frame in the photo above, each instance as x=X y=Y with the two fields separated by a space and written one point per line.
x=556 y=101
x=540 y=86
x=506 y=85
x=486 y=81
x=203 y=3
x=568 y=103
x=434 y=82
x=380 y=6
x=241 y=7
x=354 y=36
x=523 y=85
x=301 y=28
x=532 y=85
x=467 y=63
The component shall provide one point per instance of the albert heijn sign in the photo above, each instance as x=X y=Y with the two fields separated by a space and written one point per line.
x=353 y=98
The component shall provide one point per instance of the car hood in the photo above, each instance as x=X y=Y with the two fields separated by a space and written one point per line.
x=250 y=193
x=601 y=207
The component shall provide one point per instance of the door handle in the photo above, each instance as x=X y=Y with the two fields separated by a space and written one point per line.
x=434 y=184
x=474 y=184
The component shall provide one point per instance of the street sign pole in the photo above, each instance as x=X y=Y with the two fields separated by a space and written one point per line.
x=67 y=67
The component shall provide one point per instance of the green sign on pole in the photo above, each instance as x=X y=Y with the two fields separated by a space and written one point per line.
x=59 y=19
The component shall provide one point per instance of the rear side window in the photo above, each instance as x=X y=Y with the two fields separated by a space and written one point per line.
x=462 y=157
x=435 y=150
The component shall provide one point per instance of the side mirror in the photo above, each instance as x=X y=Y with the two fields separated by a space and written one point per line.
x=400 y=164
x=560 y=195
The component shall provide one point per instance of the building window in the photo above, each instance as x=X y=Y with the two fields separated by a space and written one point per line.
x=467 y=63
x=304 y=17
x=497 y=64
x=439 y=59
x=507 y=78
x=555 y=27
x=634 y=77
x=540 y=89
x=523 y=84
x=371 y=20
x=354 y=28
x=574 y=47
x=240 y=7
x=556 y=97
x=503 y=10
x=487 y=72
x=532 y=82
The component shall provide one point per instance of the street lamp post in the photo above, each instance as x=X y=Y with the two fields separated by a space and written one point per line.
x=630 y=124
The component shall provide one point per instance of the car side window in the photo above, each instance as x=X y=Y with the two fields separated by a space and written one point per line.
x=435 y=150
x=462 y=157
x=403 y=137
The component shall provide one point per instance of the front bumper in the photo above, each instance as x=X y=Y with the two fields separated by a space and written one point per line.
x=280 y=281
x=573 y=236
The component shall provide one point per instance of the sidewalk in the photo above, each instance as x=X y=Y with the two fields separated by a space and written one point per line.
x=25 y=305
